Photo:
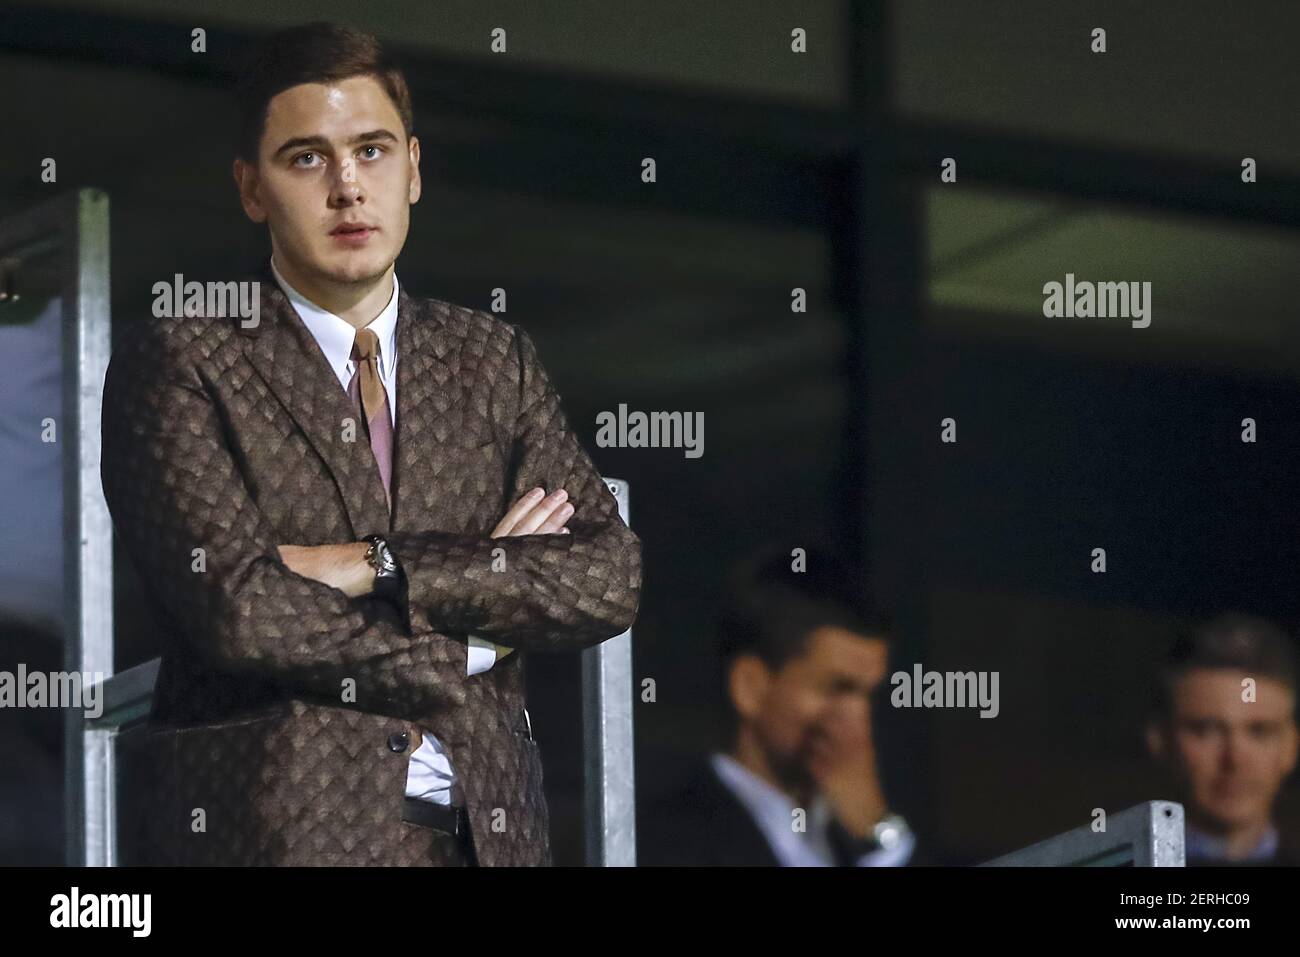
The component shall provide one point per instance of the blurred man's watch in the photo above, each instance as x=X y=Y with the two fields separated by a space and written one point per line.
x=888 y=833
x=388 y=574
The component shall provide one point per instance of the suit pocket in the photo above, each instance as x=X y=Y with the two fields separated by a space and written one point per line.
x=237 y=722
x=209 y=777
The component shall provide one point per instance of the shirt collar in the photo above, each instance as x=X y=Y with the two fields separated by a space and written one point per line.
x=769 y=805
x=335 y=335
x=1198 y=844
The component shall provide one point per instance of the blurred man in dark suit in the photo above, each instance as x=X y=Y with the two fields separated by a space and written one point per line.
x=1224 y=726
x=798 y=786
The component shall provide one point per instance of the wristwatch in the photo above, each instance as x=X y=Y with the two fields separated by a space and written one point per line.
x=888 y=833
x=388 y=573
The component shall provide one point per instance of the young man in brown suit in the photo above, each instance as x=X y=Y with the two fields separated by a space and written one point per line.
x=349 y=514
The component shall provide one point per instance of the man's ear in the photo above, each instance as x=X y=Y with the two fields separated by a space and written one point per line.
x=879 y=662
x=246 y=178
x=747 y=681
x=416 y=186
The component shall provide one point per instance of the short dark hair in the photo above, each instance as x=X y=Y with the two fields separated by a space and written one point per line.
x=1240 y=642
x=313 y=53
x=769 y=609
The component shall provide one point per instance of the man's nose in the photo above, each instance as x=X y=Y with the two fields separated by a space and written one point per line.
x=1232 y=751
x=346 y=186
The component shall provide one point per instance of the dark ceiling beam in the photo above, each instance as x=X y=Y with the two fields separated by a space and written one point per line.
x=769 y=160
x=699 y=179
x=94 y=37
x=1084 y=172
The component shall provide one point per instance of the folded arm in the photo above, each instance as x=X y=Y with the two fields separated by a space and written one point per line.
x=534 y=592
x=172 y=486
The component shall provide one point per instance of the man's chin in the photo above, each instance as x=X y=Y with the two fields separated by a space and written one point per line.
x=353 y=270
x=795 y=771
x=1228 y=815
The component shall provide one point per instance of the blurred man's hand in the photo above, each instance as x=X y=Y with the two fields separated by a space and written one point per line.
x=842 y=760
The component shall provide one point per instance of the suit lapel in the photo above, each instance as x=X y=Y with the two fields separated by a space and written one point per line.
x=285 y=356
x=733 y=826
x=424 y=388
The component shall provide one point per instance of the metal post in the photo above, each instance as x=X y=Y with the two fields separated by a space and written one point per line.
x=75 y=226
x=88 y=564
x=609 y=786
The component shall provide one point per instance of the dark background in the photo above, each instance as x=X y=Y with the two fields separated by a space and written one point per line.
x=818 y=171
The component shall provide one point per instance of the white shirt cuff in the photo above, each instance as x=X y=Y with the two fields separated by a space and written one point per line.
x=482 y=655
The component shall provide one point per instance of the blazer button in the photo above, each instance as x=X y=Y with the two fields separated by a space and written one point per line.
x=398 y=741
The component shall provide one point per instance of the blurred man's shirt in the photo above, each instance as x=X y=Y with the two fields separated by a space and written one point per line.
x=1204 y=849
x=773 y=813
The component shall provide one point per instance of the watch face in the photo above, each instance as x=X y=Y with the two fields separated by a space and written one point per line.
x=888 y=836
x=383 y=561
x=890 y=831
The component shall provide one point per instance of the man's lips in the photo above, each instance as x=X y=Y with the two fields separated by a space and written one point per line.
x=353 y=236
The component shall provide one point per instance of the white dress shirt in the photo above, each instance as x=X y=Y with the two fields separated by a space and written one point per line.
x=429 y=775
x=773 y=812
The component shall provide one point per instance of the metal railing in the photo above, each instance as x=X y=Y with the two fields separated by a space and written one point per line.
x=1148 y=835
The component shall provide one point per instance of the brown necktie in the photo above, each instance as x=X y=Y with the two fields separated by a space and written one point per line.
x=367 y=389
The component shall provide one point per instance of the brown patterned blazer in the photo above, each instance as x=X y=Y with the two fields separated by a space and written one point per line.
x=231 y=440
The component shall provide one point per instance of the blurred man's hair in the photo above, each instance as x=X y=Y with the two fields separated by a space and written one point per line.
x=313 y=53
x=769 y=610
x=1237 y=642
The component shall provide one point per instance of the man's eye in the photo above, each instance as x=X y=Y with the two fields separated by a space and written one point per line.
x=297 y=158
x=378 y=148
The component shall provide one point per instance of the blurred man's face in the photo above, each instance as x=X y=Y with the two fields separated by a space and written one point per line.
x=333 y=153
x=804 y=712
x=1231 y=755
